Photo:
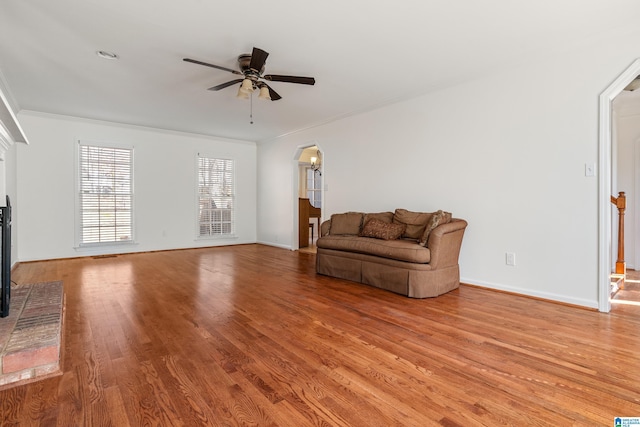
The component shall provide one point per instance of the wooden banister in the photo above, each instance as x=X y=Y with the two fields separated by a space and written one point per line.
x=621 y=204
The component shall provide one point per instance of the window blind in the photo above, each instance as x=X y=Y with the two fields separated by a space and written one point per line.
x=216 y=197
x=106 y=195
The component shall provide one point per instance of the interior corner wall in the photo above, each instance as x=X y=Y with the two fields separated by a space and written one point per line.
x=165 y=179
x=506 y=151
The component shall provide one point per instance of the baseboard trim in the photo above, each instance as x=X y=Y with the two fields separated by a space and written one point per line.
x=116 y=254
x=543 y=296
x=276 y=245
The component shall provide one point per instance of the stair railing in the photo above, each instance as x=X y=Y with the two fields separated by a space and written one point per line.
x=621 y=204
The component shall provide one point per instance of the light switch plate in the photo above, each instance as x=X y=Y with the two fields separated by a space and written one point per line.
x=589 y=169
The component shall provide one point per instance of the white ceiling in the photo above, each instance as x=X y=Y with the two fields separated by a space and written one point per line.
x=363 y=54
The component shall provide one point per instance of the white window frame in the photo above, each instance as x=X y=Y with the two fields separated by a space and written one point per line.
x=215 y=222
x=79 y=229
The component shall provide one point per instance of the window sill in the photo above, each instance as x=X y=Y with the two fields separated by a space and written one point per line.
x=217 y=237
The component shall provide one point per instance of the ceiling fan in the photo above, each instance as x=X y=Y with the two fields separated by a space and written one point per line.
x=252 y=69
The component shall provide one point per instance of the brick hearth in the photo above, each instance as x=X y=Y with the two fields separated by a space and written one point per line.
x=30 y=337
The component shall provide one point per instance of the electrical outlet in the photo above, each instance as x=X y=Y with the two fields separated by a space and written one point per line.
x=510 y=258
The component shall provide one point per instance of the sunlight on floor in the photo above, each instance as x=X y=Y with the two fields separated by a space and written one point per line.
x=627 y=291
x=625 y=302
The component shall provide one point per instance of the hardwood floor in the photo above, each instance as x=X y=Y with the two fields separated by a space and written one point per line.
x=249 y=335
x=630 y=292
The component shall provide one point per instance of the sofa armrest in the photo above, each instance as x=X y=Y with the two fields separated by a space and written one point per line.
x=324 y=227
x=445 y=242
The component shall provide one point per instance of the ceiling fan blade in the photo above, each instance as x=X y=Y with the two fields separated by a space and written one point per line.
x=258 y=58
x=193 y=61
x=290 y=79
x=272 y=93
x=227 y=84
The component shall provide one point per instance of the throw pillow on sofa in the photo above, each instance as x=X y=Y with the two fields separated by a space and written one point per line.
x=438 y=218
x=346 y=223
x=382 y=216
x=382 y=230
x=415 y=222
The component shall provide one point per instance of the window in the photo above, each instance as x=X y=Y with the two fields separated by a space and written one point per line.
x=105 y=195
x=216 y=194
x=314 y=187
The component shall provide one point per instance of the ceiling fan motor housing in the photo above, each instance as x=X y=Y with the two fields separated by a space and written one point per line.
x=243 y=62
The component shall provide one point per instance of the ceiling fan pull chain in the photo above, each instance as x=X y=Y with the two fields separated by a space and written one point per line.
x=251 y=112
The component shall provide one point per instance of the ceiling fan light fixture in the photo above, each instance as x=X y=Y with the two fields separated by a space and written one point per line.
x=242 y=94
x=247 y=86
x=264 y=93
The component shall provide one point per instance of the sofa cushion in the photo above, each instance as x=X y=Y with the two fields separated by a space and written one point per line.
x=438 y=218
x=401 y=250
x=382 y=216
x=346 y=223
x=415 y=221
x=382 y=230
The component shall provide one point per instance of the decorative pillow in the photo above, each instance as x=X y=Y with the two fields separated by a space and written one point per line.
x=447 y=218
x=382 y=230
x=438 y=218
x=346 y=223
x=382 y=216
x=415 y=221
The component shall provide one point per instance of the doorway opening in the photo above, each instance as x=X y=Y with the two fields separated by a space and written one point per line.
x=309 y=196
x=607 y=168
x=626 y=178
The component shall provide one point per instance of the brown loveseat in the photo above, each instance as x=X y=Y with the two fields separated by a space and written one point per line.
x=410 y=253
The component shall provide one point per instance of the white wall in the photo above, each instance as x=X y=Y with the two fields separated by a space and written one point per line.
x=507 y=152
x=164 y=181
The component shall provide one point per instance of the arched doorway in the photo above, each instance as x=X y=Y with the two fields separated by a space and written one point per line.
x=308 y=195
